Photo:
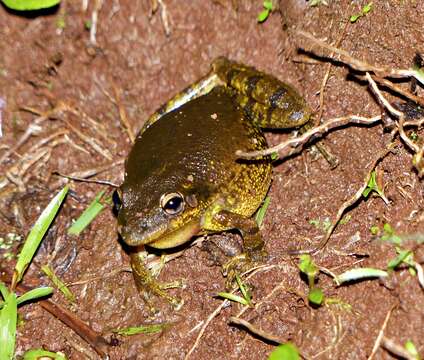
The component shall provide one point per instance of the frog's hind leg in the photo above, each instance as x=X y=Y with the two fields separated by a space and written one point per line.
x=269 y=102
x=193 y=91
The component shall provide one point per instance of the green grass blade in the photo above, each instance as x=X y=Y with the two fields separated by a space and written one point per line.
x=26 y=5
x=35 y=294
x=3 y=290
x=87 y=216
x=8 y=318
x=58 y=283
x=36 y=235
x=260 y=215
x=42 y=354
x=233 y=297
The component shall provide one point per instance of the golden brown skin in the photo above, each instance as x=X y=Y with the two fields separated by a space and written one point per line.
x=182 y=175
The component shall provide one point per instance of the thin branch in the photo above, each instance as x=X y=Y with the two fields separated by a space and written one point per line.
x=379 y=338
x=314 y=133
x=383 y=71
x=254 y=330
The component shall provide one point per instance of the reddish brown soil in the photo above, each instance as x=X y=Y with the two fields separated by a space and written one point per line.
x=44 y=64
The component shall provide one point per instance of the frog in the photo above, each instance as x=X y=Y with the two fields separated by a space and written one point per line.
x=182 y=176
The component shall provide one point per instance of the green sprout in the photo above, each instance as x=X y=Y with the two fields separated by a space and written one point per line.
x=30 y=5
x=373 y=186
x=365 y=10
x=264 y=14
x=285 y=351
x=311 y=270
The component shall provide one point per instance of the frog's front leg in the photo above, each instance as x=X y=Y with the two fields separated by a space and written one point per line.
x=253 y=245
x=147 y=285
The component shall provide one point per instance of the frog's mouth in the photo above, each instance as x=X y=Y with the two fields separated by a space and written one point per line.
x=176 y=237
x=162 y=237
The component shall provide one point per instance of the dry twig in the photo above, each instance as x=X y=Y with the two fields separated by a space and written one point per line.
x=381 y=333
x=382 y=71
x=314 y=133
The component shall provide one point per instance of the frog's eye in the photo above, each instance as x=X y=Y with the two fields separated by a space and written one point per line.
x=172 y=203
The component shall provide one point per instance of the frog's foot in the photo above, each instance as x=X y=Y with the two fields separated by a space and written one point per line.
x=149 y=287
x=240 y=264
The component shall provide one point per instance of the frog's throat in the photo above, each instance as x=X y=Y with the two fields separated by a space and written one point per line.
x=177 y=237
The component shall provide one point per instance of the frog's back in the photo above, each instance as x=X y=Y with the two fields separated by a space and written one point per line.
x=194 y=147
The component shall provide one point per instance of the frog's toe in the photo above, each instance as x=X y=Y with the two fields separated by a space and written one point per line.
x=155 y=290
x=236 y=266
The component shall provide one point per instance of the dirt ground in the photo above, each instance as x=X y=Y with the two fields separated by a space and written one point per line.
x=78 y=82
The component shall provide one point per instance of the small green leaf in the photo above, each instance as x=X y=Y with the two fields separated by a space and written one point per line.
x=58 y=283
x=268 y=5
x=285 y=351
x=367 y=8
x=27 y=5
x=88 y=215
x=410 y=347
x=35 y=294
x=263 y=15
x=260 y=215
x=307 y=266
x=354 y=18
x=359 y=274
x=316 y=296
x=145 y=329
x=43 y=354
x=233 y=297
x=8 y=318
x=37 y=233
